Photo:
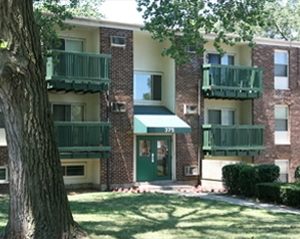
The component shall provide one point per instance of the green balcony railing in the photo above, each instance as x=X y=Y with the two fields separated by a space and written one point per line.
x=233 y=140
x=83 y=139
x=224 y=81
x=78 y=71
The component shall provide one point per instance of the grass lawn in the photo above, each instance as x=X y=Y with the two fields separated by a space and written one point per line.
x=127 y=215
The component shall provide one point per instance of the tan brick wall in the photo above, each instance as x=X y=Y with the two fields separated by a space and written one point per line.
x=187 y=77
x=121 y=89
x=263 y=109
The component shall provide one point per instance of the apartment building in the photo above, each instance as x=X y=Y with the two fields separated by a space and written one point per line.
x=124 y=115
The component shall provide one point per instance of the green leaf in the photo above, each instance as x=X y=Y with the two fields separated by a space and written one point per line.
x=3 y=44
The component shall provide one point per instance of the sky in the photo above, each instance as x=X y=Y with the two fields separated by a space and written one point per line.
x=121 y=11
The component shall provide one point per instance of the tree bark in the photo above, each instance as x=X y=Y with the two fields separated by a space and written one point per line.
x=39 y=206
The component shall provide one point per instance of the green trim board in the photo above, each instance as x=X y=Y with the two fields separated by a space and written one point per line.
x=160 y=124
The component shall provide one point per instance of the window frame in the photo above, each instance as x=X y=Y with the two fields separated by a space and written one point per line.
x=65 y=39
x=281 y=82
x=84 y=164
x=277 y=162
x=2 y=126
x=282 y=137
x=216 y=53
x=191 y=48
x=6 y=174
x=223 y=110
x=148 y=102
x=71 y=104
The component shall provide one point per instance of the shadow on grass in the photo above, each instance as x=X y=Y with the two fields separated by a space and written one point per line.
x=174 y=216
x=120 y=215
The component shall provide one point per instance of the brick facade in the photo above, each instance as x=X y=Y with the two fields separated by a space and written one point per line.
x=263 y=109
x=121 y=90
x=119 y=167
x=187 y=79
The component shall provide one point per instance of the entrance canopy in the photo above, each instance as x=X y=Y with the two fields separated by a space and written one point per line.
x=160 y=124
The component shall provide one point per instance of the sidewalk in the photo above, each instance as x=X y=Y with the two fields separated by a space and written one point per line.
x=237 y=201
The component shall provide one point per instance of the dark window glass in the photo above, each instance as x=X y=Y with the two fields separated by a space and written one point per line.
x=280 y=70
x=62 y=112
x=2 y=174
x=1 y=120
x=281 y=125
x=73 y=170
x=214 y=117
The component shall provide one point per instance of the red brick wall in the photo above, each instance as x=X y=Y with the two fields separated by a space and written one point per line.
x=187 y=78
x=121 y=90
x=263 y=109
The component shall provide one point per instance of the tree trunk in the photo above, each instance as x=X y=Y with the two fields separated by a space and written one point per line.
x=39 y=206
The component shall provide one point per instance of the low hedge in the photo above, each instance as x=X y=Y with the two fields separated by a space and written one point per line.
x=280 y=193
x=240 y=179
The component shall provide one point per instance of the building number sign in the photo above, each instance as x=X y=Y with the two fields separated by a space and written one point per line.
x=169 y=130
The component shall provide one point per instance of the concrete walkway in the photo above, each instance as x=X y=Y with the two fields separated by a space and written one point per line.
x=237 y=201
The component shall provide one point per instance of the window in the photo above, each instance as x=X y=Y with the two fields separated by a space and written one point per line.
x=221 y=116
x=284 y=169
x=147 y=87
x=70 y=112
x=190 y=48
x=281 y=70
x=73 y=170
x=1 y=119
x=3 y=174
x=217 y=59
x=281 y=124
x=74 y=45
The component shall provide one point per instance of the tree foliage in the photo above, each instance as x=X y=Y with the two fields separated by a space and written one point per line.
x=50 y=13
x=284 y=20
x=231 y=21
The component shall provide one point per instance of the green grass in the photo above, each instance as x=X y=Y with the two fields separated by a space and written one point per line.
x=127 y=215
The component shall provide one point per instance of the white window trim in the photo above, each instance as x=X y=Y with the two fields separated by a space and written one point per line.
x=288 y=167
x=282 y=82
x=84 y=164
x=6 y=174
x=282 y=137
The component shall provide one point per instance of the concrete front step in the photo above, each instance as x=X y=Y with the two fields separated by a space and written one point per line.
x=163 y=186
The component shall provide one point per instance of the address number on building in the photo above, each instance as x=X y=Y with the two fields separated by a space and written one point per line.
x=169 y=130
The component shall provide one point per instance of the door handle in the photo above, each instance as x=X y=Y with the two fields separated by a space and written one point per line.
x=152 y=158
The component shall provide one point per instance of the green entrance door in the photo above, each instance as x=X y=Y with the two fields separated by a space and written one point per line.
x=154 y=158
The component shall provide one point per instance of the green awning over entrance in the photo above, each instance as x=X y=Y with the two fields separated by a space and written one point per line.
x=160 y=124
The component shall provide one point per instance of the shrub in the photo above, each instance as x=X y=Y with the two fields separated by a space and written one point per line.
x=240 y=179
x=281 y=193
x=247 y=180
x=267 y=173
x=297 y=174
x=269 y=192
x=230 y=177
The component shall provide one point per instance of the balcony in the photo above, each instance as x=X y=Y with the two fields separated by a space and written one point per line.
x=232 y=82
x=233 y=140
x=77 y=71
x=83 y=139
